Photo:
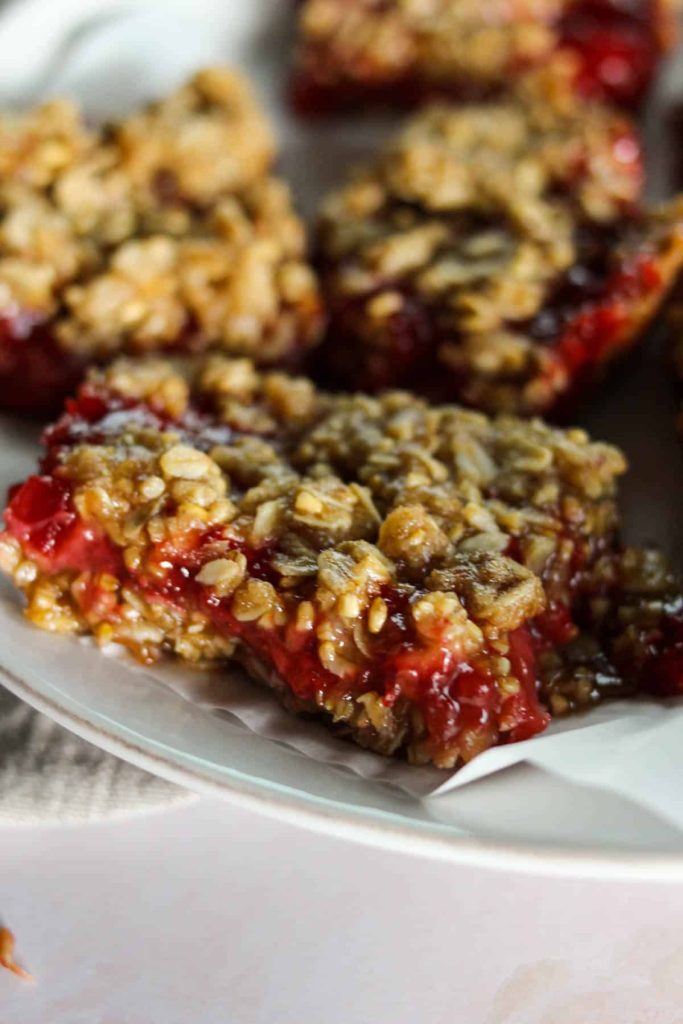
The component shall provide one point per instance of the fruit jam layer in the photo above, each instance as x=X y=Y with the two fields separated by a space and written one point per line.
x=619 y=46
x=593 y=314
x=311 y=96
x=35 y=373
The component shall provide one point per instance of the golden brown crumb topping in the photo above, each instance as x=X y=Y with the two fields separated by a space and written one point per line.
x=207 y=139
x=515 y=153
x=161 y=227
x=396 y=445
x=526 y=167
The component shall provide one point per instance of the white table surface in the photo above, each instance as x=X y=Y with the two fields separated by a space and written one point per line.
x=204 y=914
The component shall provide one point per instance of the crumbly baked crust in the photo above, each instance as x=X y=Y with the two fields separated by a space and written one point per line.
x=354 y=51
x=428 y=580
x=164 y=230
x=495 y=253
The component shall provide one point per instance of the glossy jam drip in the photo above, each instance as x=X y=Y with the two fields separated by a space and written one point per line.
x=617 y=46
x=41 y=516
x=35 y=374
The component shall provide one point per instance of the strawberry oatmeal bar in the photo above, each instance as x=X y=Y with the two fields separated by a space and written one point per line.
x=353 y=53
x=428 y=581
x=162 y=231
x=495 y=254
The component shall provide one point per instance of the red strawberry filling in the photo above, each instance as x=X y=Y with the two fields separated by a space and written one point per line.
x=35 y=373
x=618 y=47
x=42 y=517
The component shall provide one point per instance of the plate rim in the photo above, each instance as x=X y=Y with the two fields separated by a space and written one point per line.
x=371 y=828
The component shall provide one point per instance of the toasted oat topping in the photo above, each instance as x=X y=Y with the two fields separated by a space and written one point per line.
x=478 y=213
x=207 y=139
x=523 y=170
x=163 y=229
x=510 y=154
x=36 y=147
x=437 y=39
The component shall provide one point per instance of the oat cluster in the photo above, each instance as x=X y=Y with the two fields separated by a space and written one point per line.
x=476 y=213
x=436 y=40
x=163 y=229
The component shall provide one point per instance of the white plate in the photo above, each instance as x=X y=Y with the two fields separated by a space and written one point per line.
x=520 y=818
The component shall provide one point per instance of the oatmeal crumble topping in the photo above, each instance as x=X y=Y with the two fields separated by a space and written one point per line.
x=495 y=252
x=436 y=38
x=400 y=53
x=205 y=140
x=164 y=230
x=427 y=579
